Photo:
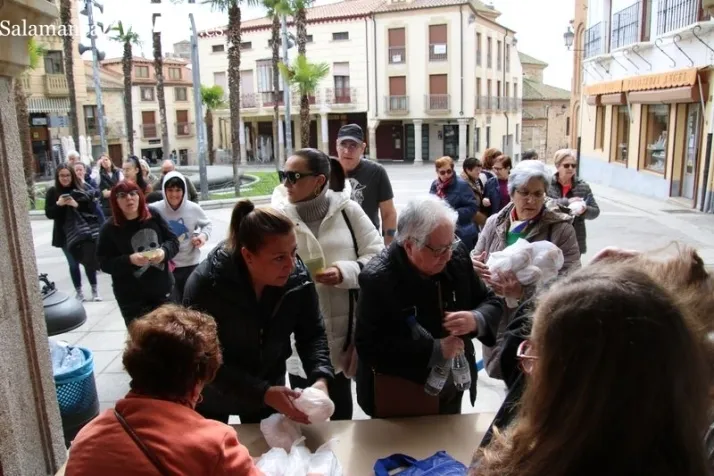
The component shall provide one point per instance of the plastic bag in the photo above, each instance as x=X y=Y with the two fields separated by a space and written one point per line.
x=577 y=207
x=315 y=404
x=274 y=462
x=280 y=432
x=298 y=460
x=64 y=357
x=324 y=462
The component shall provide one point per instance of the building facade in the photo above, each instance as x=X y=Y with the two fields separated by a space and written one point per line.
x=546 y=111
x=180 y=116
x=396 y=69
x=647 y=111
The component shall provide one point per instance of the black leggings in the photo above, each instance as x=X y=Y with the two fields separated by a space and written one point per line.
x=136 y=309
x=181 y=275
x=340 y=390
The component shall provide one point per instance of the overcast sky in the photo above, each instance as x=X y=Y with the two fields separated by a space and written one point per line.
x=539 y=24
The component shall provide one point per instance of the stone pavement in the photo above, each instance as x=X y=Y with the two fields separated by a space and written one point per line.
x=626 y=220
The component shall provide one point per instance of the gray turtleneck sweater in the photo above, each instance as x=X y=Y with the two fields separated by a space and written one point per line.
x=313 y=211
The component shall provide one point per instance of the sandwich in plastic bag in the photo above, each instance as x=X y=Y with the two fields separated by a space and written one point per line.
x=280 y=431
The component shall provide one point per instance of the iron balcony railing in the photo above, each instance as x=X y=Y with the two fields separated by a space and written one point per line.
x=336 y=96
x=398 y=104
x=397 y=54
x=149 y=131
x=676 y=14
x=249 y=100
x=593 y=40
x=184 y=129
x=626 y=26
x=296 y=98
x=436 y=102
x=437 y=52
x=483 y=104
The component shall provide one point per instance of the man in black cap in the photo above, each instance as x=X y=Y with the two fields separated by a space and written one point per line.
x=370 y=183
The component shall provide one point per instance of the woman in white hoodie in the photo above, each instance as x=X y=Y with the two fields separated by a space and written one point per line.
x=336 y=239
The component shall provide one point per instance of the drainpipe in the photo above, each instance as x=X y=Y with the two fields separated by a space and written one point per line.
x=503 y=85
x=376 y=84
x=366 y=55
x=706 y=200
x=461 y=48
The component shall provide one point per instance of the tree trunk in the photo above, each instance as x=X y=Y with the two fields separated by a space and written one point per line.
x=305 y=120
x=159 y=71
x=301 y=30
x=234 y=40
x=23 y=124
x=128 y=110
x=275 y=38
x=209 y=136
x=67 y=44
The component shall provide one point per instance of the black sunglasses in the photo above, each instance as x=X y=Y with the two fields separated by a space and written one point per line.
x=570 y=166
x=293 y=177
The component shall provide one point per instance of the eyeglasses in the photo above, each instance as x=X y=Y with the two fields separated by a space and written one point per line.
x=293 y=177
x=349 y=145
x=123 y=195
x=442 y=250
x=445 y=172
x=569 y=166
x=525 y=357
x=498 y=169
x=539 y=195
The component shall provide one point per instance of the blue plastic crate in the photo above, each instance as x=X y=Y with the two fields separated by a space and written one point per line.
x=76 y=390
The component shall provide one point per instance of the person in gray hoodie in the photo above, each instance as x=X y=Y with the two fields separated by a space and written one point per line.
x=189 y=222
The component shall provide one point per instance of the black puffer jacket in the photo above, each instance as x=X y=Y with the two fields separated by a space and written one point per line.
x=391 y=290
x=255 y=334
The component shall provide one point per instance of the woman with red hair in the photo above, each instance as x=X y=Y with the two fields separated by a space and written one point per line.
x=135 y=248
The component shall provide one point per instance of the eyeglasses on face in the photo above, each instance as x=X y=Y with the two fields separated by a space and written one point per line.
x=293 y=177
x=349 y=145
x=539 y=195
x=569 y=166
x=442 y=250
x=124 y=195
x=525 y=356
x=445 y=172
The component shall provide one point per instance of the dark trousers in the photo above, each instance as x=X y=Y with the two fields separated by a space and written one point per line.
x=75 y=273
x=180 y=277
x=135 y=309
x=340 y=390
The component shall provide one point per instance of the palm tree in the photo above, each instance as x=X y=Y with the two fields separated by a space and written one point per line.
x=159 y=72
x=299 y=6
x=35 y=52
x=66 y=20
x=306 y=76
x=276 y=8
x=128 y=38
x=212 y=97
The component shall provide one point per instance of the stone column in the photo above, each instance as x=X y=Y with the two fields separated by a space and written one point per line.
x=31 y=440
x=324 y=133
x=418 y=157
x=472 y=144
x=373 y=124
x=281 y=143
x=241 y=141
x=463 y=131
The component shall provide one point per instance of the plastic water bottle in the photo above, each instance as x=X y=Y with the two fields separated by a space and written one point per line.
x=461 y=372
x=440 y=372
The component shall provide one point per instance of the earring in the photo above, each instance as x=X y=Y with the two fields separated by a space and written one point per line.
x=317 y=192
x=200 y=398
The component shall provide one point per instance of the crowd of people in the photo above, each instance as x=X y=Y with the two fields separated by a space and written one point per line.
x=607 y=366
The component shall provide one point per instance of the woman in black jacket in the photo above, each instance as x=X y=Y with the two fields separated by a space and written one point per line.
x=135 y=247
x=109 y=176
x=259 y=294
x=67 y=193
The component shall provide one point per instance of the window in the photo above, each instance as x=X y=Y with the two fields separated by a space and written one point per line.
x=498 y=55
x=620 y=133
x=515 y=89
x=264 y=69
x=567 y=126
x=398 y=100
x=340 y=35
x=518 y=133
x=397 y=49
x=90 y=119
x=147 y=93
x=174 y=73
x=219 y=79
x=308 y=39
x=599 y=127
x=498 y=94
x=437 y=43
x=341 y=76
x=489 y=52
x=508 y=58
x=488 y=137
x=141 y=71
x=478 y=49
x=656 y=124
x=479 y=98
x=180 y=94
x=438 y=93
x=270 y=42
x=183 y=127
x=54 y=63
x=246 y=45
x=477 y=139
x=218 y=48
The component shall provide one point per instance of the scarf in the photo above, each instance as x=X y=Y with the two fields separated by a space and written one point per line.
x=442 y=186
x=314 y=209
x=519 y=227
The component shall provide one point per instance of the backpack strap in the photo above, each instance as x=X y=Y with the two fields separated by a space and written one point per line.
x=353 y=293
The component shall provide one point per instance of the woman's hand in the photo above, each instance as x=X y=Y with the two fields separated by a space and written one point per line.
x=451 y=347
x=106 y=193
x=460 y=323
x=330 y=276
x=486 y=202
x=199 y=240
x=138 y=259
x=507 y=285
x=479 y=263
x=71 y=202
x=281 y=399
x=158 y=256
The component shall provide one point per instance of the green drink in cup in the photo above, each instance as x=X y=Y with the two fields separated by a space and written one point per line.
x=315 y=265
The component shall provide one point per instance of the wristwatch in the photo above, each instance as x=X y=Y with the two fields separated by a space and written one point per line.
x=390 y=233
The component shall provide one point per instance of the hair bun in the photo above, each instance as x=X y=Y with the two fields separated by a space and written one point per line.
x=245 y=206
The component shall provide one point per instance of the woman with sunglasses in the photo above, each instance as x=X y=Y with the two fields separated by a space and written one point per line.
x=135 y=247
x=457 y=193
x=567 y=189
x=335 y=240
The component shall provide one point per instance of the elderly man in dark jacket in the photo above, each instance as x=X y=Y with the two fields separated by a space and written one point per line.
x=427 y=274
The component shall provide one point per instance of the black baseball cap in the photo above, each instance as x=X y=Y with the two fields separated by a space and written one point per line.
x=351 y=132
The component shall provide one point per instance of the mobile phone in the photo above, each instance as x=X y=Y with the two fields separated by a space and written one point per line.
x=65 y=196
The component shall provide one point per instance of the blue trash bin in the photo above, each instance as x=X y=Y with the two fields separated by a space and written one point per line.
x=77 y=397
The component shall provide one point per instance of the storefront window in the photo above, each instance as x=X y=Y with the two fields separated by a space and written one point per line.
x=657 y=124
x=621 y=134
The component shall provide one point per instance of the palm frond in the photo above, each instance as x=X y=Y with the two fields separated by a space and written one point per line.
x=35 y=51
x=303 y=74
x=212 y=97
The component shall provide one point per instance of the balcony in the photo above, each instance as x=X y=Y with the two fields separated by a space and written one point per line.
x=295 y=99
x=483 y=104
x=511 y=104
x=91 y=125
x=626 y=26
x=436 y=102
x=267 y=99
x=676 y=14
x=184 y=129
x=593 y=41
x=437 y=52
x=478 y=57
x=493 y=103
x=149 y=131
x=396 y=104
x=25 y=83
x=56 y=85
x=248 y=101
x=341 y=96
x=397 y=55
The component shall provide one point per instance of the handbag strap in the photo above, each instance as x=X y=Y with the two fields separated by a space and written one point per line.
x=142 y=446
x=383 y=466
x=353 y=293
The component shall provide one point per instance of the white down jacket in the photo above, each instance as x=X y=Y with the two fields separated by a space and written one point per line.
x=336 y=247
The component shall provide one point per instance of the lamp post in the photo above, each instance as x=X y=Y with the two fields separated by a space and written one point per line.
x=286 y=91
x=569 y=38
x=198 y=108
x=97 y=56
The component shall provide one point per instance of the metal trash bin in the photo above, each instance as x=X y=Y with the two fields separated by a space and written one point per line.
x=77 y=397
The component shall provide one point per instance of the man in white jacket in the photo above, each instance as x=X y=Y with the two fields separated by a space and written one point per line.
x=190 y=224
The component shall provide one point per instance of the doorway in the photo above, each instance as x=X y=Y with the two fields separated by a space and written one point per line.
x=690 y=164
x=451 y=141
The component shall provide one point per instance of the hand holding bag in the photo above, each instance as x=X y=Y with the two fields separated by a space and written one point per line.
x=439 y=464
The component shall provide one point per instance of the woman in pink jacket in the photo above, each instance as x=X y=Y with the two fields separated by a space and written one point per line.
x=171 y=354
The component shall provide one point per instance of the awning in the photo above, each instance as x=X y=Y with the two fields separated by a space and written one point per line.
x=617 y=99
x=684 y=94
x=673 y=79
x=593 y=100
x=48 y=105
x=607 y=87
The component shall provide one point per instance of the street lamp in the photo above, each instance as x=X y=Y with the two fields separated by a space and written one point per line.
x=569 y=37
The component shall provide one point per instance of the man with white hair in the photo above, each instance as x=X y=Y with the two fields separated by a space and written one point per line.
x=167 y=166
x=73 y=157
x=420 y=304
